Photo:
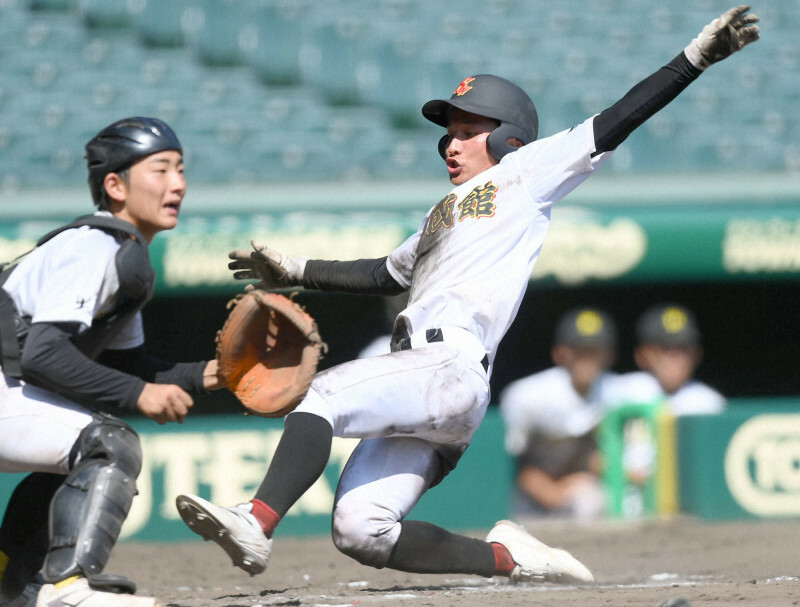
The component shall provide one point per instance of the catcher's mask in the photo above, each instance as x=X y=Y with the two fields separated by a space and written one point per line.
x=122 y=143
x=493 y=97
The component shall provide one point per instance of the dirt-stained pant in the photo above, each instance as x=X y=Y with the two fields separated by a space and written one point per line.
x=417 y=411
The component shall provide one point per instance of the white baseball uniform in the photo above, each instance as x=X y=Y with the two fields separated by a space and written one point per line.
x=467 y=267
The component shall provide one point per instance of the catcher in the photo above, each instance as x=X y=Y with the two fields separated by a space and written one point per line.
x=71 y=331
x=466 y=270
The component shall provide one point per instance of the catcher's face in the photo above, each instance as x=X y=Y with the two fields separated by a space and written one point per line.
x=466 y=153
x=151 y=196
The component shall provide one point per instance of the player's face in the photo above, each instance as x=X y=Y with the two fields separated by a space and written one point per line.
x=466 y=154
x=585 y=364
x=153 y=193
x=672 y=367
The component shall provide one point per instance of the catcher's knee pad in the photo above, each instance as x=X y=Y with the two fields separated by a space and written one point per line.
x=366 y=534
x=87 y=511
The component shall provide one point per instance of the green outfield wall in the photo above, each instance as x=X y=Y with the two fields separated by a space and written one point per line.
x=610 y=230
x=742 y=464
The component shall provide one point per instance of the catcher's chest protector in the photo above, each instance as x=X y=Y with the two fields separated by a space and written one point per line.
x=136 y=279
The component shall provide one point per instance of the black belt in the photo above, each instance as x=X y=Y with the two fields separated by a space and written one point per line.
x=434 y=335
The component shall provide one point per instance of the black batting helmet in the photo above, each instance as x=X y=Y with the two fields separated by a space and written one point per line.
x=493 y=97
x=122 y=143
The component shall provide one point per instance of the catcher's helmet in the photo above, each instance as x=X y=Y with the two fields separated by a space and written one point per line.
x=493 y=97
x=122 y=143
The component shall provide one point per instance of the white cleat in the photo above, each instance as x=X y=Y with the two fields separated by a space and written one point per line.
x=80 y=594
x=235 y=529
x=537 y=562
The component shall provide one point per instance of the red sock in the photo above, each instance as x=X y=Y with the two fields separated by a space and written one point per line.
x=266 y=516
x=503 y=563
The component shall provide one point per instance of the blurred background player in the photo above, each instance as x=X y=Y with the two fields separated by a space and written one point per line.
x=72 y=342
x=550 y=420
x=668 y=351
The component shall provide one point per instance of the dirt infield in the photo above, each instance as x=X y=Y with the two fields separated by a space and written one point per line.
x=641 y=564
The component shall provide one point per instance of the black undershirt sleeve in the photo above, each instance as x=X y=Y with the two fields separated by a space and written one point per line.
x=612 y=126
x=50 y=360
x=366 y=276
x=136 y=361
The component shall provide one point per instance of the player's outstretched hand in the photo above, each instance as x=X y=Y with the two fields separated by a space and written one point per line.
x=725 y=35
x=274 y=269
x=164 y=402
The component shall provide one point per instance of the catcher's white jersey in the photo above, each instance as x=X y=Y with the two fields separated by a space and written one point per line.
x=72 y=278
x=471 y=260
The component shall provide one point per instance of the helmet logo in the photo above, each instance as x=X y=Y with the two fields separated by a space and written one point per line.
x=674 y=320
x=463 y=87
x=589 y=323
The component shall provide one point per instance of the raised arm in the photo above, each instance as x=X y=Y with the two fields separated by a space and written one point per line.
x=719 y=39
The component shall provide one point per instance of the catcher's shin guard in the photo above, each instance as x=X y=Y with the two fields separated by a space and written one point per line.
x=88 y=510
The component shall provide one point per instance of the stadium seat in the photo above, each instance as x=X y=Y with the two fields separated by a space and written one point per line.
x=225 y=32
x=45 y=159
x=337 y=47
x=110 y=14
x=53 y=5
x=407 y=154
x=168 y=24
x=274 y=44
x=396 y=78
x=295 y=89
x=280 y=156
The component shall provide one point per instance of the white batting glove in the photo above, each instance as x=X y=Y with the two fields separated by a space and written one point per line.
x=274 y=269
x=722 y=37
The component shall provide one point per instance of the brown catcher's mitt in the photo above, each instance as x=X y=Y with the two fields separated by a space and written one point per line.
x=268 y=351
